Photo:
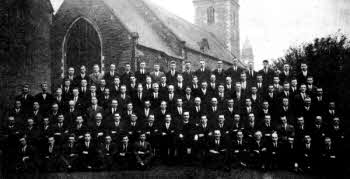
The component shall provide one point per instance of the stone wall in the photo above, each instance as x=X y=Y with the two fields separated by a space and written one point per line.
x=24 y=46
x=116 y=40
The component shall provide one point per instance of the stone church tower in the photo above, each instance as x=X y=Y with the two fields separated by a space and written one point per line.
x=221 y=17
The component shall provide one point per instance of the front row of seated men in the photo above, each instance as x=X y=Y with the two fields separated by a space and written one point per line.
x=133 y=146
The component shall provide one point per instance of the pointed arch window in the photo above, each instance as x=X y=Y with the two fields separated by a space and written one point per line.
x=211 y=15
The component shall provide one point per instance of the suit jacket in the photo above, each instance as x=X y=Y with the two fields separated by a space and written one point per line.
x=27 y=102
x=79 y=77
x=141 y=78
x=220 y=77
x=188 y=76
x=156 y=78
x=125 y=78
x=91 y=113
x=109 y=77
x=146 y=148
x=267 y=76
x=45 y=104
x=234 y=74
x=203 y=75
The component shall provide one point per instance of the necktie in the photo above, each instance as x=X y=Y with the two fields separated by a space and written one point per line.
x=107 y=147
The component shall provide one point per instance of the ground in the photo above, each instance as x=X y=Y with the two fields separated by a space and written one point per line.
x=174 y=173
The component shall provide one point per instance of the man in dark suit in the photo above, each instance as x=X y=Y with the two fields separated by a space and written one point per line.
x=310 y=87
x=303 y=74
x=306 y=155
x=92 y=111
x=81 y=76
x=83 y=92
x=251 y=74
x=203 y=73
x=152 y=134
x=26 y=99
x=60 y=129
x=257 y=151
x=70 y=154
x=79 y=129
x=273 y=157
x=239 y=151
x=219 y=73
x=87 y=151
x=167 y=130
x=108 y=150
x=143 y=152
x=134 y=128
x=115 y=87
x=123 y=98
x=18 y=113
x=105 y=99
x=26 y=160
x=51 y=156
x=266 y=72
x=125 y=77
x=36 y=114
x=213 y=111
x=109 y=76
x=71 y=77
x=155 y=97
x=148 y=85
x=71 y=113
x=212 y=84
x=44 y=98
x=116 y=128
x=172 y=73
x=188 y=74
x=285 y=130
x=234 y=71
x=286 y=75
x=201 y=138
x=98 y=129
x=139 y=97
x=204 y=93
x=141 y=73
x=144 y=112
x=124 y=156
x=188 y=98
x=67 y=90
x=185 y=135
x=217 y=152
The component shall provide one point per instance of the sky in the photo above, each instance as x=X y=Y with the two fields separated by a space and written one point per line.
x=272 y=26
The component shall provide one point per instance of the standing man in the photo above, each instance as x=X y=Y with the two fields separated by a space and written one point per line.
x=172 y=74
x=156 y=75
x=109 y=77
x=203 y=73
x=142 y=73
x=235 y=71
x=266 y=72
x=219 y=73
x=96 y=76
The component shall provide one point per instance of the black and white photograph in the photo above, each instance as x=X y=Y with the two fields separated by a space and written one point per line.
x=197 y=89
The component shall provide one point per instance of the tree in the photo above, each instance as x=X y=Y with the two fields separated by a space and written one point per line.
x=329 y=61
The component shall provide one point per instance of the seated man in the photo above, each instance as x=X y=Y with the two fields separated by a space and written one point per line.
x=143 y=152
x=124 y=157
x=217 y=152
x=70 y=153
x=26 y=159
x=107 y=152
x=87 y=153
x=257 y=151
x=239 y=151
x=51 y=156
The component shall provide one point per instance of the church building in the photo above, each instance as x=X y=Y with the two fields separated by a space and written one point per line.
x=87 y=32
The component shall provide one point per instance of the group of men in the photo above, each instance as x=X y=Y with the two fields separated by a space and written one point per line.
x=221 y=119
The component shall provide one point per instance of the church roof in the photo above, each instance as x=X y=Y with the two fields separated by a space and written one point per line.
x=133 y=17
